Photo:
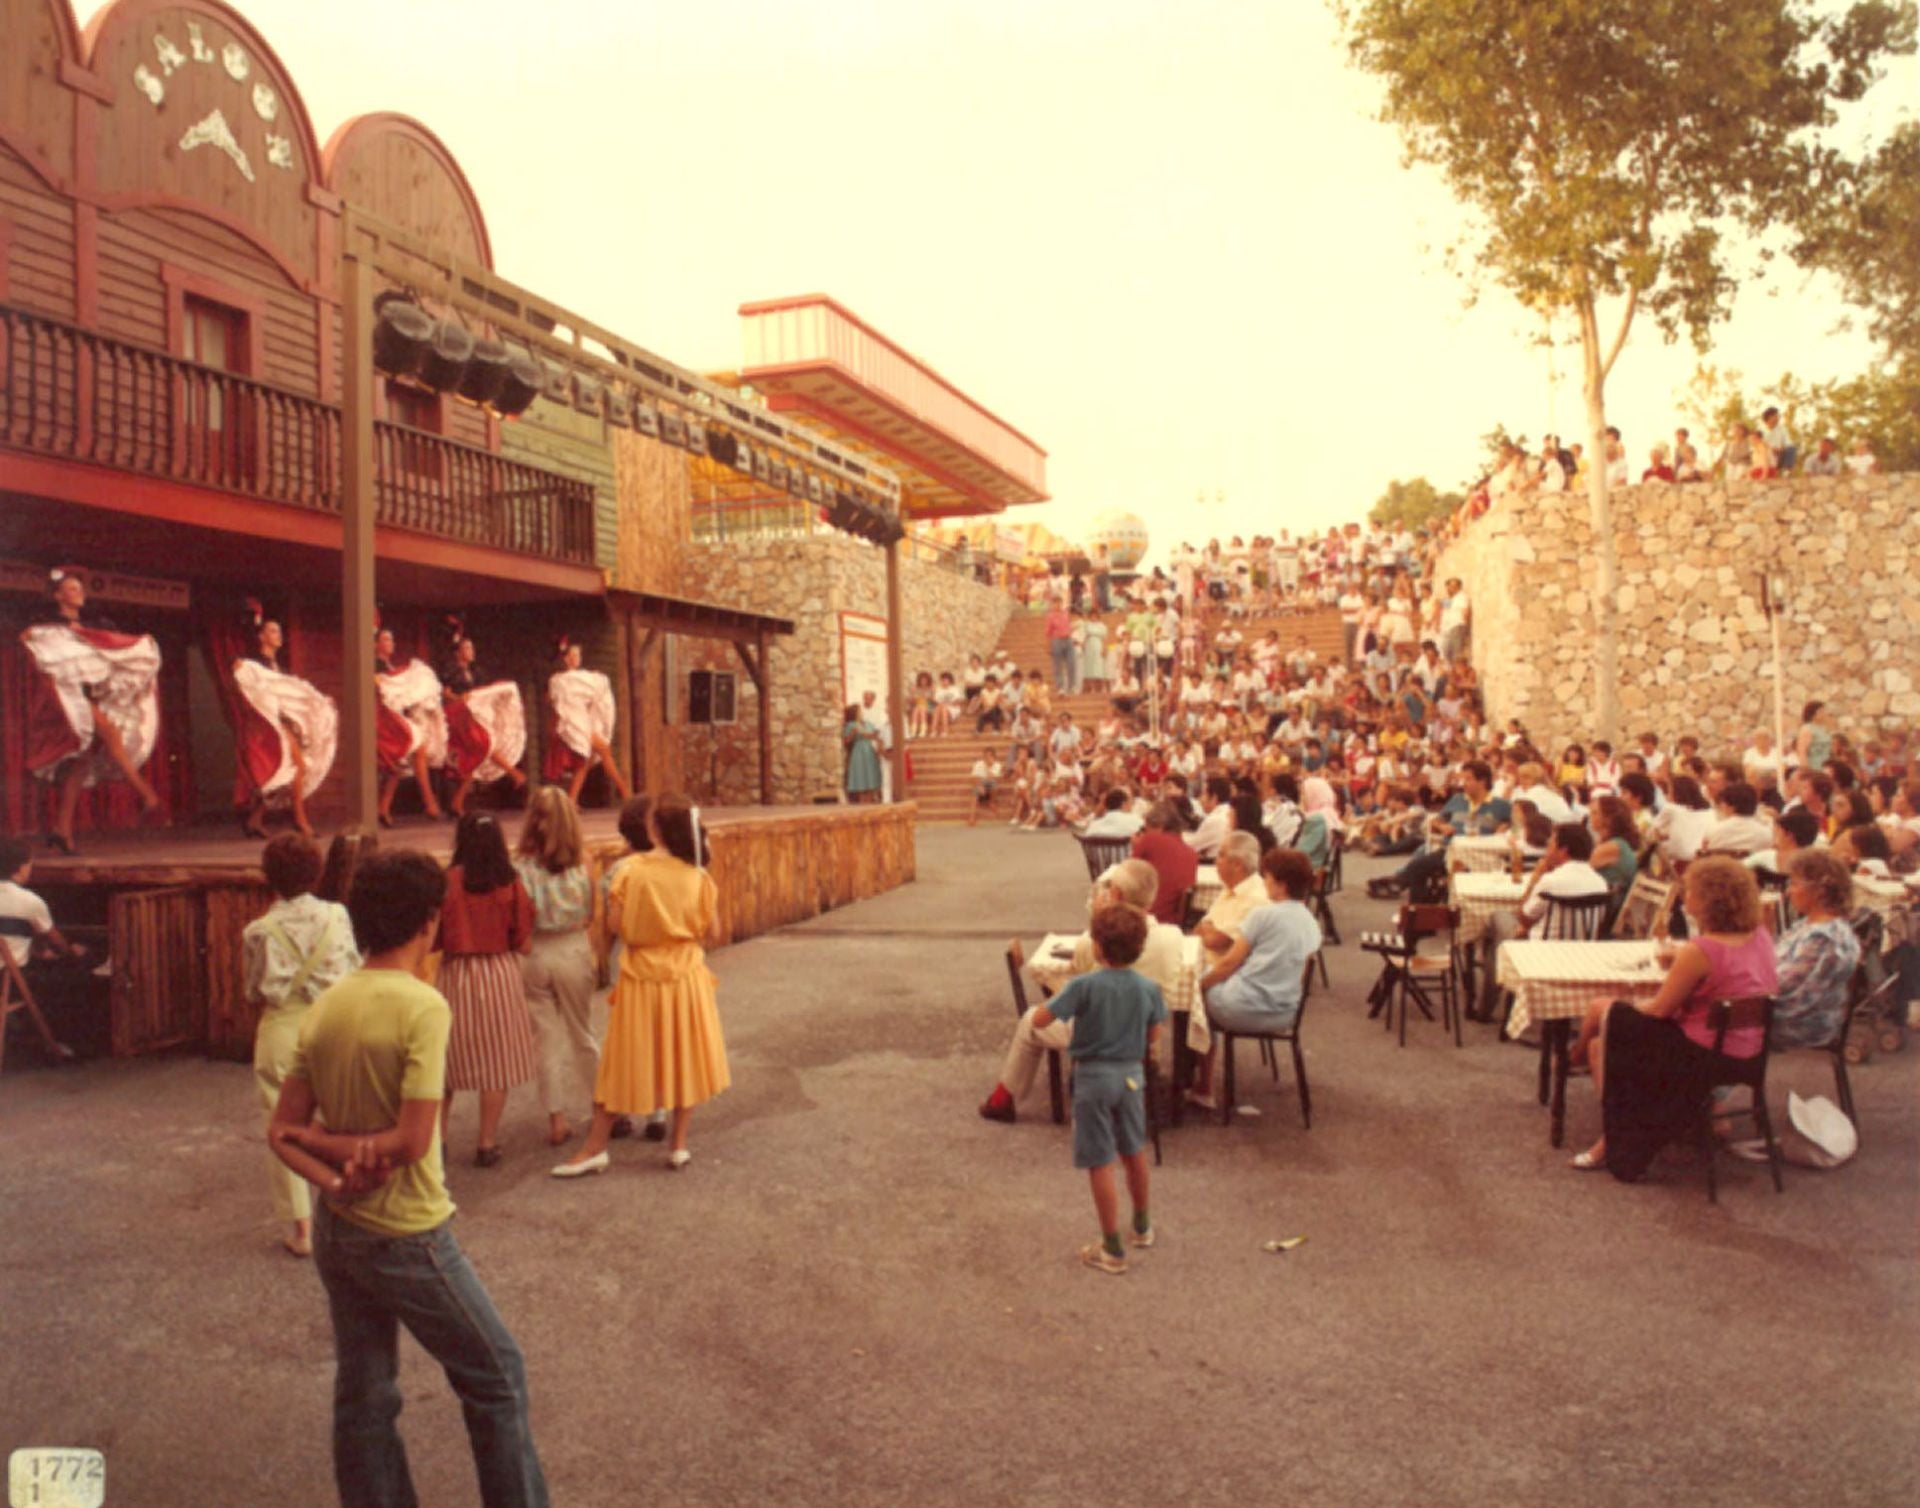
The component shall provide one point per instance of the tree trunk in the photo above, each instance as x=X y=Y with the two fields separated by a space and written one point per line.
x=1606 y=587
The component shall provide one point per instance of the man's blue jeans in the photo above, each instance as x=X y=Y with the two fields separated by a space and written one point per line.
x=374 y=1285
x=1062 y=651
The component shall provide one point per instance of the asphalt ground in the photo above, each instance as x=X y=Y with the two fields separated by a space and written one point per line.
x=861 y=1293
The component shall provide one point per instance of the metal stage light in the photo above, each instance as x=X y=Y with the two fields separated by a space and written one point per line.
x=519 y=387
x=486 y=372
x=589 y=396
x=646 y=419
x=673 y=429
x=845 y=512
x=556 y=382
x=696 y=436
x=723 y=447
x=445 y=363
x=402 y=334
x=619 y=408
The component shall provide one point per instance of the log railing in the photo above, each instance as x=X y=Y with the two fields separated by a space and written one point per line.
x=77 y=395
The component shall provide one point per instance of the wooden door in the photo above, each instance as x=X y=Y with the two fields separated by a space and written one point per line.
x=158 y=943
x=231 y=1017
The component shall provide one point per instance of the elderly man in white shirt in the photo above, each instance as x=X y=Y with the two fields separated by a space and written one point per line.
x=1241 y=889
x=1134 y=883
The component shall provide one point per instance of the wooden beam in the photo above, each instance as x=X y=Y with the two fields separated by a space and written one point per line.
x=896 y=700
x=766 y=719
x=357 y=509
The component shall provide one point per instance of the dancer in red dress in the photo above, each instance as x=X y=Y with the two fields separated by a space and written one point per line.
x=582 y=725
x=486 y=721
x=94 y=708
x=412 y=731
x=288 y=729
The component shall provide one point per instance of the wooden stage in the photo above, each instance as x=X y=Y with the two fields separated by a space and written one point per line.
x=171 y=904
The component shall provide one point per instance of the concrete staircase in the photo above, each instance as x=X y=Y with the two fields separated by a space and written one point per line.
x=940 y=765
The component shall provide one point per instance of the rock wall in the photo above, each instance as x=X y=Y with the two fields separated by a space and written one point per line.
x=1695 y=653
x=812 y=580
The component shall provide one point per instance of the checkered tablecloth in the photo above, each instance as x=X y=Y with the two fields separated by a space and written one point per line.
x=1480 y=855
x=1554 y=981
x=1206 y=887
x=1482 y=897
x=1052 y=973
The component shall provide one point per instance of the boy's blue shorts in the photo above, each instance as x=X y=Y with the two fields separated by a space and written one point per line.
x=1109 y=1111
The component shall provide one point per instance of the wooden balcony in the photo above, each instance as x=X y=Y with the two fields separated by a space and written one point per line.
x=71 y=394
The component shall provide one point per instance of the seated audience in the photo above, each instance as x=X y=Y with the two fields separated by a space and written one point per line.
x=1116 y=819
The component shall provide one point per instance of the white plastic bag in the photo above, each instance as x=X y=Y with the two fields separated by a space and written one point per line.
x=1818 y=1135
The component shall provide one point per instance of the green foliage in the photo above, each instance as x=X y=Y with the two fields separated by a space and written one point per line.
x=1413 y=504
x=1608 y=147
x=1881 y=406
x=1867 y=234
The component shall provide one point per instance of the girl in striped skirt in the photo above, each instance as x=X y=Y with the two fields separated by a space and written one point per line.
x=486 y=922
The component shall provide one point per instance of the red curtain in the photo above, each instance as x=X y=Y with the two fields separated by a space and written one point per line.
x=223 y=639
x=26 y=804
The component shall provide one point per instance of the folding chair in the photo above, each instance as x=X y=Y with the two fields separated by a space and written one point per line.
x=1103 y=853
x=17 y=995
x=1016 y=962
x=1409 y=975
x=1647 y=898
x=1290 y=1036
x=1577 y=918
x=1748 y=1073
x=1323 y=906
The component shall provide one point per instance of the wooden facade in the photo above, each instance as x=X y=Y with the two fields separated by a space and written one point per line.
x=175 y=915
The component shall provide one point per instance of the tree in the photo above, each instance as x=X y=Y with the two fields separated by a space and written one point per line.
x=1867 y=233
x=1611 y=150
x=1413 y=505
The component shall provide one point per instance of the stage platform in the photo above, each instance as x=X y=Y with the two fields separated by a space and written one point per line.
x=170 y=904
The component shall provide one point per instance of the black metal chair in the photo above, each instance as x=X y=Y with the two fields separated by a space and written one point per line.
x=1737 y=1073
x=1290 y=1036
x=1103 y=853
x=1336 y=863
x=1323 y=905
x=1865 y=1005
x=1409 y=976
x=1575 y=918
x=1016 y=962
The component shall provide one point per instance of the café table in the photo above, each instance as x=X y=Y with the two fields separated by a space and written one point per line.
x=1553 y=982
x=1051 y=965
x=1481 y=855
x=1481 y=897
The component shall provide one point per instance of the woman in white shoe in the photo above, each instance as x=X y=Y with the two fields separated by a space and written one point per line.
x=664 y=1049
x=560 y=969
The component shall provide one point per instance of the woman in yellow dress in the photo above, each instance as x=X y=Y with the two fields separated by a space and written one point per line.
x=663 y=1048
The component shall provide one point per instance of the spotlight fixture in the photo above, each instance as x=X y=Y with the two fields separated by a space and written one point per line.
x=619 y=408
x=556 y=382
x=519 y=385
x=646 y=419
x=589 y=397
x=696 y=436
x=673 y=429
x=486 y=371
x=444 y=364
x=723 y=447
x=402 y=332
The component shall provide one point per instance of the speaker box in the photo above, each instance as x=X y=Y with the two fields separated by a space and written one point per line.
x=711 y=696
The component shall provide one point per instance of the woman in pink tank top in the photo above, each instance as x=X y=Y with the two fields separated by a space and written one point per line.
x=1653 y=1062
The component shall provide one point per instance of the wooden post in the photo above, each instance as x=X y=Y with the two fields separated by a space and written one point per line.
x=762 y=683
x=896 y=702
x=358 y=753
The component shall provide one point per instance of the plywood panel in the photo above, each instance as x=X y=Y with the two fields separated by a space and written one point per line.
x=653 y=493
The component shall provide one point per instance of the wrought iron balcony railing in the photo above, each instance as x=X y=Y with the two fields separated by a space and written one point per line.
x=77 y=395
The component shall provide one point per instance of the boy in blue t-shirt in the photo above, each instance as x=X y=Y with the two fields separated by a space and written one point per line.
x=1116 y=1015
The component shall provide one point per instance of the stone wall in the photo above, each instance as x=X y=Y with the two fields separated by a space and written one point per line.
x=1695 y=653
x=812 y=580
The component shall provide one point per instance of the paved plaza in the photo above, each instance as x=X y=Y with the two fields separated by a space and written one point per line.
x=861 y=1293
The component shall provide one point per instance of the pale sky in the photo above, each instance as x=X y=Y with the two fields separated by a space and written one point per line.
x=1168 y=243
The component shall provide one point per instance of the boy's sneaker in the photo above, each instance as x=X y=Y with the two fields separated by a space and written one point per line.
x=1140 y=1238
x=1100 y=1259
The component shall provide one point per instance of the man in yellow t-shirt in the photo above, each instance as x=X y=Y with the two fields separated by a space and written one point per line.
x=359 y=1117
